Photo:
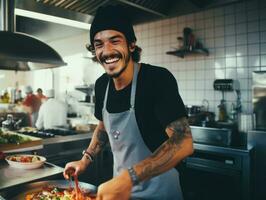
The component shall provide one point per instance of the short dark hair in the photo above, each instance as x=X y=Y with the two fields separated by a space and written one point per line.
x=39 y=90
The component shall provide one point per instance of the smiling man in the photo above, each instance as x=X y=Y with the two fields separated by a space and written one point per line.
x=140 y=112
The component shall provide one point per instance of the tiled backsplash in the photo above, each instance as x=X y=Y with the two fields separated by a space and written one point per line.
x=235 y=35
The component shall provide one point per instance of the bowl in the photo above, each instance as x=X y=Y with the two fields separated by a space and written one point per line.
x=25 y=161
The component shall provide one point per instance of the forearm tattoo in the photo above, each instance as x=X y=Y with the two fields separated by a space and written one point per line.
x=99 y=141
x=163 y=157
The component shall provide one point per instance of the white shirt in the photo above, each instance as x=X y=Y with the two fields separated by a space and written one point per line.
x=52 y=113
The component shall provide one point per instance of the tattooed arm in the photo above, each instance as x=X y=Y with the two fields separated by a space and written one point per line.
x=177 y=147
x=170 y=153
x=98 y=141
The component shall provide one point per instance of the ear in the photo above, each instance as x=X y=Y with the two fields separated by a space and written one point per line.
x=132 y=46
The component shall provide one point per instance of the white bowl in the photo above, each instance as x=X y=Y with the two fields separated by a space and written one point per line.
x=25 y=165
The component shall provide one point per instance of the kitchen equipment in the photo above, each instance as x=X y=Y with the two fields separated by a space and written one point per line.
x=21 y=191
x=246 y=122
x=212 y=136
x=217 y=173
x=22 y=52
x=192 y=110
x=89 y=91
x=227 y=85
x=259 y=99
x=199 y=115
x=49 y=133
x=10 y=123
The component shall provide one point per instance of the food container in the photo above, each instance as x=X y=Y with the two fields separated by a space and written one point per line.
x=25 y=161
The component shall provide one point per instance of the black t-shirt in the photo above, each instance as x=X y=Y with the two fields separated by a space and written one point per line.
x=157 y=102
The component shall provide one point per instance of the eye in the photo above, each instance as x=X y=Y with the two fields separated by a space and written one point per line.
x=115 y=41
x=98 y=45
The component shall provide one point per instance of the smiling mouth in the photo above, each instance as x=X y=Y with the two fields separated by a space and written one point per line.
x=111 y=60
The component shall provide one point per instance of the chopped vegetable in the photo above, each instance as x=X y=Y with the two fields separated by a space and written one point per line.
x=8 y=138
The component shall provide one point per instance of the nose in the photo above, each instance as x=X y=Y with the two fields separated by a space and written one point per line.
x=107 y=48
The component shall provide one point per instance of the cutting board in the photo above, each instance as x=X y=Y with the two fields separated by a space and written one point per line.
x=34 y=141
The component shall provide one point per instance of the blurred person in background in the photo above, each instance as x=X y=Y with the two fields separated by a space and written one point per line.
x=40 y=95
x=31 y=104
x=53 y=113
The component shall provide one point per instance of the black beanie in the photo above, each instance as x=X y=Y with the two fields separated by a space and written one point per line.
x=112 y=18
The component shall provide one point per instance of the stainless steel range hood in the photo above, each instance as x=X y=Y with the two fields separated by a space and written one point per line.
x=19 y=51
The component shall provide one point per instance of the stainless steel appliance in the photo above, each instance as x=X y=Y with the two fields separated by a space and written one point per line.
x=217 y=173
x=212 y=136
x=225 y=85
x=259 y=99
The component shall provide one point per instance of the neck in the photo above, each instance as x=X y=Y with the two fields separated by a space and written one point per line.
x=125 y=78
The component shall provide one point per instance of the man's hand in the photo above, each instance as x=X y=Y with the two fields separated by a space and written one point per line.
x=117 y=188
x=75 y=168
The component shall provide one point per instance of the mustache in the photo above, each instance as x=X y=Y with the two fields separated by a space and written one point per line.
x=113 y=55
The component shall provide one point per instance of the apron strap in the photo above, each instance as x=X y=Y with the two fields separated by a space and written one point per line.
x=105 y=96
x=134 y=86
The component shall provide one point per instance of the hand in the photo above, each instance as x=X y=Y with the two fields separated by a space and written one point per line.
x=117 y=188
x=75 y=168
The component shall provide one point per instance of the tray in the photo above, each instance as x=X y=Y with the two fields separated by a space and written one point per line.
x=34 y=141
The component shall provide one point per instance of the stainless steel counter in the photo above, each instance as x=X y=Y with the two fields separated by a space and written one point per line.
x=70 y=138
x=13 y=176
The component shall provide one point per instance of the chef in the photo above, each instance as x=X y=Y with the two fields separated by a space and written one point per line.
x=52 y=112
x=140 y=112
x=31 y=104
x=40 y=95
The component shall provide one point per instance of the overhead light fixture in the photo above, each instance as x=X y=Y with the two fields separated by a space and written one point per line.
x=53 y=19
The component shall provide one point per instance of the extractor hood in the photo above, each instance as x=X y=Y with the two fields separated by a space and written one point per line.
x=141 y=10
x=19 y=51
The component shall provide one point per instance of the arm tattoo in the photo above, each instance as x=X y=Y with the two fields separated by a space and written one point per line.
x=98 y=142
x=180 y=129
x=164 y=157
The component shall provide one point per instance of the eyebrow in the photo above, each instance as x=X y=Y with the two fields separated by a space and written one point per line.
x=110 y=38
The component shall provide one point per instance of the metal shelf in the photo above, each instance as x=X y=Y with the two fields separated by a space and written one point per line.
x=183 y=52
x=84 y=88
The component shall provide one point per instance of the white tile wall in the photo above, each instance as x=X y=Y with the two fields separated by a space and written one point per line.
x=236 y=38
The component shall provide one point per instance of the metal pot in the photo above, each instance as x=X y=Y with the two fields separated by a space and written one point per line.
x=21 y=192
x=10 y=123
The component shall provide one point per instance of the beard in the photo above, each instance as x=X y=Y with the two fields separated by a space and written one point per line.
x=116 y=75
x=118 y=55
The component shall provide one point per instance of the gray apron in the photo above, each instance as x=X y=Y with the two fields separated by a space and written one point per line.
x=129 y=148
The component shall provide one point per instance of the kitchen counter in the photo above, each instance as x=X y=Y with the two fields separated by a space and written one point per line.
x=10 y=176
x=61 y=149
x=70 y=138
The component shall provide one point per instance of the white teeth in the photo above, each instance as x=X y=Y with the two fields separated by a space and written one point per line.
x=110 y=60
